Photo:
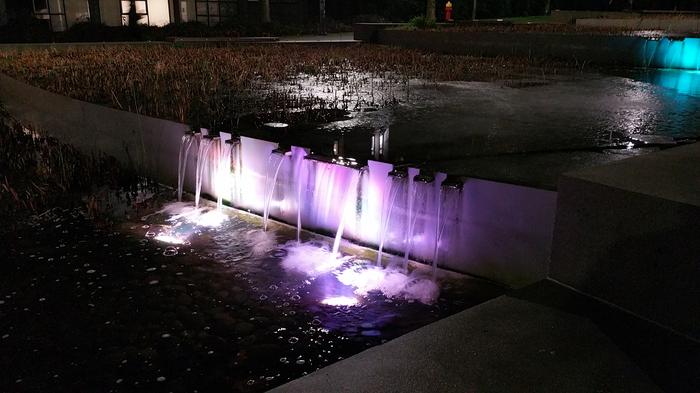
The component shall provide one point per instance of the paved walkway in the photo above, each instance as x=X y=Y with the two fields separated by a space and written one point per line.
x=332 y=38
x=504 y=345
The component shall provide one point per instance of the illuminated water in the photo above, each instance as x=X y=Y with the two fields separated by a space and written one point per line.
x=173 y=305
x=398 y=190
x=203 y=165
x=187 y=141
x=671 y=53
x=274 y=164
x=347 y=207
x=450 y=199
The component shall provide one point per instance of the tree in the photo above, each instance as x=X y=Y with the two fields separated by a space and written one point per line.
x=265 y=11
x=430 y=10
x=474 y=10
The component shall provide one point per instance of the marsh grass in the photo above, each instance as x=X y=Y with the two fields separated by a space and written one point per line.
x=214 y=87
x=38 y=172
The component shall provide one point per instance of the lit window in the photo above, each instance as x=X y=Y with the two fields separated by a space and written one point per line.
x=148 y=12
x=53 y=11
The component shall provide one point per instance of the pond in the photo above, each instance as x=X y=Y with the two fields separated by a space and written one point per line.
x=169 y=302
x=523 y=131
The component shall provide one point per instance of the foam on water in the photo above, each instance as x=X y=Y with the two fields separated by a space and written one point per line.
x=391 y=281
x=362 y=276
x=312 y=259
x=261 y=241
x=200 y=216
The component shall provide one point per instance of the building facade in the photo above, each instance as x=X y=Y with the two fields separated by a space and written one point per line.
x=62 y=14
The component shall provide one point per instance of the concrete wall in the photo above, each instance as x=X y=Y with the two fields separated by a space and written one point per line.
x=144 y=142
x=367 y=32
x=685 y=25
x=629 y=232
x=596 y=48
x=617 y=50
x=505 y=233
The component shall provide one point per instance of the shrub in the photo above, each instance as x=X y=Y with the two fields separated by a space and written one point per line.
x=421 y=22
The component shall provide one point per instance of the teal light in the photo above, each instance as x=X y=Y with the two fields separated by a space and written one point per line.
x=684 y=82
x=671 y=53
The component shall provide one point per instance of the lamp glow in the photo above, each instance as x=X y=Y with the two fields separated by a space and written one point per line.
x=340 y=301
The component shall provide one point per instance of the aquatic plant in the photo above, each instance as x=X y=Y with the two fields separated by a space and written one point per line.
x=214 y=87
x=38 y=172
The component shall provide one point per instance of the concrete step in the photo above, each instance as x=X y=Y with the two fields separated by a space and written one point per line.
x=504 y=345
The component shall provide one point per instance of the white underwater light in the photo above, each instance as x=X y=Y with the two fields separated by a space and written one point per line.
x=340 y=301
x=170 y=239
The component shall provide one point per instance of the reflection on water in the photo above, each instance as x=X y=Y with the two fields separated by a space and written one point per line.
x=459 y=119
x=682 y=81
x=435 y=122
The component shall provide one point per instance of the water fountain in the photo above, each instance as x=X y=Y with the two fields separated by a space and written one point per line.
x=275 y=161
x=298 y=161
x=420 y=217
x=204 y=160
x=671 y=52
x=232 y=160
x=448 y=201
x=222 y=184
x=398 y=185
x=396 y=210
x=188 y=139
x=346 y=208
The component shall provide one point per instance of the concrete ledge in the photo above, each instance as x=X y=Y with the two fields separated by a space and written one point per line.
x=368 y=31
x=78 y=45
x=596 y=48
x=219 y=41
x=504 y=345
x=685 y=25
x=669 y=359
x=616 y=50
x=628 y=232
x=223 y=39
x=146 y=143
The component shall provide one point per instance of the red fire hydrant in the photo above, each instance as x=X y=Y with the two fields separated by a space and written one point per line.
x=448 y=11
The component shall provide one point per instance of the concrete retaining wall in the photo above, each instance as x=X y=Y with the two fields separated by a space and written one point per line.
x=617 y=50
x=506 y=231
x=600 y=49
x=628 y=233
x=685 y=25
x=144 y=142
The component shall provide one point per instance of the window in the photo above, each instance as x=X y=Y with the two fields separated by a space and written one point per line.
x=148 y=12
x=212 y=12
x=141 y=8
x=53 y=11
